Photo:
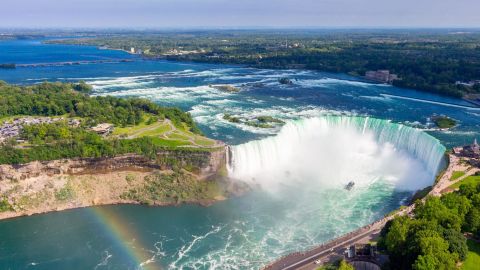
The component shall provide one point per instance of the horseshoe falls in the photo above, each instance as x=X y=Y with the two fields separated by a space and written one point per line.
x=298 y=173
x=331 y=151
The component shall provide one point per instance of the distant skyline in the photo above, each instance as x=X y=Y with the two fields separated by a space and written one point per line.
x=243 y=14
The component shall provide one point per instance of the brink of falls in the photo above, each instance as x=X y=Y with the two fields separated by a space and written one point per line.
x=331 y=151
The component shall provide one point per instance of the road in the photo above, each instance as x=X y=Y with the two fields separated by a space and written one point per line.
x=305 y=260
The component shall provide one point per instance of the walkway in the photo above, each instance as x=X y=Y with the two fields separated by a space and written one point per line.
x=336 y=247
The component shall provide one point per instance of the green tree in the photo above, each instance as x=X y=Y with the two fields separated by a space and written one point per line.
x=457 y=243
x=345 y=266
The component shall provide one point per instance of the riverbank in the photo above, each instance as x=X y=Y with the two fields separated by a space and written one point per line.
x=334 y=249
x=41 y=187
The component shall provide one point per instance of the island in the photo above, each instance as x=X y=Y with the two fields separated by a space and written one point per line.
x=258 y=122
x=444 y=122
x=61 y=148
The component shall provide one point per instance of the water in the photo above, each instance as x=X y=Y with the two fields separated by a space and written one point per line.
x=349 y=148
x=301 y=207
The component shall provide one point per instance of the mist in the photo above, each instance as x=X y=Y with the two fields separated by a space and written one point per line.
x=329 y=152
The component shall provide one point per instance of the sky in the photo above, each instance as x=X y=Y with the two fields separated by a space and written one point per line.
x=239 y=13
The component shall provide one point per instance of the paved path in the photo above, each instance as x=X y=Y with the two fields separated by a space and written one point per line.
x=336 y=246
x=305 y=260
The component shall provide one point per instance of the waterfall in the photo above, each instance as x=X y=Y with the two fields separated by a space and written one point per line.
x=333 y=150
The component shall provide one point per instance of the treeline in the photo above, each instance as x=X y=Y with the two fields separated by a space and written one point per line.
x=434 y=237
x=428 y=66
x=55 y=99
x=425 y=60
x=59 y=140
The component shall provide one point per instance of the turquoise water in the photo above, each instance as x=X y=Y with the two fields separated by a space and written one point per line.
x=297 y=209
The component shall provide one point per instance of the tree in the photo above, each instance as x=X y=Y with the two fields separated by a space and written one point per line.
x=472 y=221
x=434 y=210
x=435 y=252
x=457 y=243
x=345 y=266
x=82 y=87
x=425 y=262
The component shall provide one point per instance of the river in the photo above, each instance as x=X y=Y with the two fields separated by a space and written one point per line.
x=333 y=135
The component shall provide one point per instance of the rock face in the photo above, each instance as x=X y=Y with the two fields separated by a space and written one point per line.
x=203 y=163
x=40 y=187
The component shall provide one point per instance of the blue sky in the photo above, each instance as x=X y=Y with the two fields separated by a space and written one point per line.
x=239 y=13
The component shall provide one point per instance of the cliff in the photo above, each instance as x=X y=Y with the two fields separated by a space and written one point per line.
x=174 y=177
x=203 y=163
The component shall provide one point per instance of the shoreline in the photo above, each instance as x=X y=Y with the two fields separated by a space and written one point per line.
x=52 y=186
x=359 y=78
x=203 y=203
x=230 y=190
x=334 y=247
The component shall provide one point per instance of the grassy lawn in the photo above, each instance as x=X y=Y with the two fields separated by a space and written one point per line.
x=169 y=143
x=471 y=179
x=157 y=131
x=203 y=141
x=160 y=130
x=177 y=136
x=456 y=175
x=142 y=129
x=473 y=258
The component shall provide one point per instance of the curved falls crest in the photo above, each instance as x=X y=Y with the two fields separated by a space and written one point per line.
x=331 y=151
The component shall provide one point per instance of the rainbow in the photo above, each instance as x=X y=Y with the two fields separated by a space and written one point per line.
x=122 y=234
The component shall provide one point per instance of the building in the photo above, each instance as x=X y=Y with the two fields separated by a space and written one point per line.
x=471 y=151
x=132 y=50
x=103 y=129
x=383 y=76
x=469 y=83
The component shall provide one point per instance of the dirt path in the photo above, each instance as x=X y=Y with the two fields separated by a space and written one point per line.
x=445 y=180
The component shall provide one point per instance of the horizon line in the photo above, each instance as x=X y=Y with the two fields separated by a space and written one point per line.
x=160 y=28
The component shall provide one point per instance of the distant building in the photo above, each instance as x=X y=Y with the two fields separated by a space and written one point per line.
x=472 y=152
x=132 y=50
x=103 y=129
x=469 y=83
x=383 y=76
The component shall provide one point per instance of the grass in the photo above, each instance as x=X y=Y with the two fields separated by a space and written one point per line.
x=177 y=136
x=474 y=179
x=158 y=131
x=203 y=141
x=142 y=129
x=456 y=175
x=170 y=143
x=473 y=257
x=163 y=134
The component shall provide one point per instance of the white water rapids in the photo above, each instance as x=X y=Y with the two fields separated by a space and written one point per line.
x=330 y=151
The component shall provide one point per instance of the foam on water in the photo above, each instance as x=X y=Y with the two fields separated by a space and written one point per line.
x=332 y=151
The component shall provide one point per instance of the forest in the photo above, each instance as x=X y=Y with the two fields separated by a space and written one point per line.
x=434 y=238
x=426 y=60
x=59 y=139
x=57 y=99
